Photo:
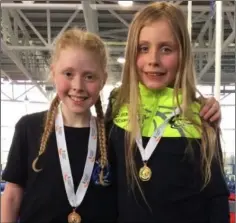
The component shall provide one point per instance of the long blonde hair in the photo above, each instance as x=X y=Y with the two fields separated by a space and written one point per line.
x=77 y=38
x=185 y=83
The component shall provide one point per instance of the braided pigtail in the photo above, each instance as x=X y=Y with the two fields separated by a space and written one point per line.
x=101 y=138
x=48 y=127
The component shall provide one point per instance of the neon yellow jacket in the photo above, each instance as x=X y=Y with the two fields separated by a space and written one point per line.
x=156 y=106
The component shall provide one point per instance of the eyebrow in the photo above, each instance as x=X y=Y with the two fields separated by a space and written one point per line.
x=143 y=42
x=88 y=70
x=68 y=68
x=161 y=43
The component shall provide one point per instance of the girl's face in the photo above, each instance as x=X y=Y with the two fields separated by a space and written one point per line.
x=158 y=55
x=78 y=77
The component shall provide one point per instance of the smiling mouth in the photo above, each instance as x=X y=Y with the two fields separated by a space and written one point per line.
x=154 y=74
x=78 y=98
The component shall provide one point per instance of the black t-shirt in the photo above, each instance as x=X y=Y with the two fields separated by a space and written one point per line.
x=173 y=193
x=45 y=199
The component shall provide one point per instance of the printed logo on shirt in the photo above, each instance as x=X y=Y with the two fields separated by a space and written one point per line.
x=178 y=122
x=147 y=114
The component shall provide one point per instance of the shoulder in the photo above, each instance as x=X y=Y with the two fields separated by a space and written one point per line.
x=114 y=93
x=34 y=119
x=110 y=107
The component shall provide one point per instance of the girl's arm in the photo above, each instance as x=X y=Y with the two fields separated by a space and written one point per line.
x=15 y=174
x=10 y=202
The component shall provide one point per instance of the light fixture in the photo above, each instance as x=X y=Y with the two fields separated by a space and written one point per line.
x=121 y=60
x=125 y=3
x=27 y=2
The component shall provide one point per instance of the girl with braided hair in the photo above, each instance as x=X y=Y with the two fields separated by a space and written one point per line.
x=53 y=154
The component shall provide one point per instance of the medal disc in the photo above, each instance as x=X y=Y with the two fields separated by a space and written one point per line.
x=74 y=217
x=145 y=173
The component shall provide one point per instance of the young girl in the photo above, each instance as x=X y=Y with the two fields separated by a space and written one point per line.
x=169 y=163
x=53 y=154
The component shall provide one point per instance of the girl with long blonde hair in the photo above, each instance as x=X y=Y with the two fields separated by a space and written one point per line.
x=54 y=172
x=169 y=161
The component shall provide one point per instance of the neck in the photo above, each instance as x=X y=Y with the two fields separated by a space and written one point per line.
x=77 y=120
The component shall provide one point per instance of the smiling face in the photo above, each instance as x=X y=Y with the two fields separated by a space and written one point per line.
x=78 y=78
x=158 y=55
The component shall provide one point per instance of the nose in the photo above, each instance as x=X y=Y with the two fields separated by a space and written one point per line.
x=154 y=58
x=77 y=83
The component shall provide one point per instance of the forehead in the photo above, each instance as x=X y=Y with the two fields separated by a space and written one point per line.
x=159 y=30
x=78 y=58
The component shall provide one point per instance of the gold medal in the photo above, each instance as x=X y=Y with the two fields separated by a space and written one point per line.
x=74 y=217
x=145 y=173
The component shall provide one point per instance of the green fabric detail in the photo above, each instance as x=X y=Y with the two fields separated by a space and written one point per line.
x=156 y=106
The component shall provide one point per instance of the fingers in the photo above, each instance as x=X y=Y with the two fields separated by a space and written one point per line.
x=216 y=117
x=209 y=102
x=211 y=110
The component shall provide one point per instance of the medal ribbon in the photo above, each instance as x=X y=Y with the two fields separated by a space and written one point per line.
x=75 y=199
x=155 y=139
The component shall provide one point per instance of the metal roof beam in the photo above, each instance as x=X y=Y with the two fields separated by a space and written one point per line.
x=21 y=67
x=65 y=26
x=135 y=7
x=90 y=17
x=212 y=59
x=116 y=15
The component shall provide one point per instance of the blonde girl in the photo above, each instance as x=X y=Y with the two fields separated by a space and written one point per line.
x=169 y=163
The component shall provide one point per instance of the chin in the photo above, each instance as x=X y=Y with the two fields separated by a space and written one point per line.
x=156 y=83
x=77 y=108
x=155 y=86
